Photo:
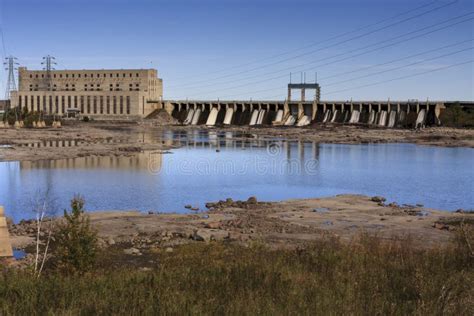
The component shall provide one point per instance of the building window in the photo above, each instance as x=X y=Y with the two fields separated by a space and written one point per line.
x=128 y=105
x=32 y=103
x=36 y=76
x=54 y=75
x=44 y=103
x=108 y=104
x=61 y=75
x=50 y=104
x=88 y=104
x=85 y=75
x=98 y=75
x=31 y=76
x=117 y=75
x=115 y=105
x=130 y=75
x=56 y=104
x=20 y=99
x=75 y=101
x=63 y=104
x=67 y=75
x=69 y=105
x=95 y=104
x=137 y=75
x=72 y=75
x=82 y=104
x=38 y=103
x=121 y=104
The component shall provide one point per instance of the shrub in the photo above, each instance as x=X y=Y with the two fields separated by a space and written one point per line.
x=75 y=240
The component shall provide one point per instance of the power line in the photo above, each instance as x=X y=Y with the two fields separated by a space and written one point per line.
x=354 y=55
x=398 y=68
x=403 y=77
x=394 y=60
x=328 y=46
x=322 y=41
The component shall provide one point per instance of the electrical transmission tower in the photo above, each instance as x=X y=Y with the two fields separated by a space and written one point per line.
x=10 y=64
x=48 y=65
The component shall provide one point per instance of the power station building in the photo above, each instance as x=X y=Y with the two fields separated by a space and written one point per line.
x=102 y=93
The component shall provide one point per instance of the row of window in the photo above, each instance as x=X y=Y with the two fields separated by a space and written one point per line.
x=86 y=104
x=89 y=87
x=117 y=75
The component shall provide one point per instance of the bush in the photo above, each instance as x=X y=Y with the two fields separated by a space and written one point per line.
x=75 y=240
x=85 y=119
x=457 y=116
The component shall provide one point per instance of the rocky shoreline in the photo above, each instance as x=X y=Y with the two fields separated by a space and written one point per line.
x=291 y=223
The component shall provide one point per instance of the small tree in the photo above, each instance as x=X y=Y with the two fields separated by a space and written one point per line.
x=76 y=241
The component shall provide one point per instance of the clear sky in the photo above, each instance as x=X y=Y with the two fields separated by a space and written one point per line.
x=246 y=49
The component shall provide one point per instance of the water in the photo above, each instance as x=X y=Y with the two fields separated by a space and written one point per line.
x=19 y=254
x=212 y=166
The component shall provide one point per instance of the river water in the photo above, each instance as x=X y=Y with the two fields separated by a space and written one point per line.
x=213 y=165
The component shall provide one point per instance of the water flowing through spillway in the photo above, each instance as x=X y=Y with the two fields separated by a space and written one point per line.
x=211 y=120
x=327 y=116
x=334 y=116
x=229 y=113
x=290 y=121
x=420 y=120
x=196 y=116
x=197 y=173
x=371 y=118
x=382 y=118
x=261 y=115
x=254 y=118
x=354 y=117
x=279 y=116
x=189 y=117
x=392 y=119
x=303 y=121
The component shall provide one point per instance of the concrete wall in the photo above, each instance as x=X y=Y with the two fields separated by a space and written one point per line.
x=5 y=244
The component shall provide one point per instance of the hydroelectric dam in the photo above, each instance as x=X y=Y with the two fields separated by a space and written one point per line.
x=391 y=114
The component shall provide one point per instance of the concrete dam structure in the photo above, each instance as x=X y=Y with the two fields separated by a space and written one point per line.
x=5 y=245
x=389 y=114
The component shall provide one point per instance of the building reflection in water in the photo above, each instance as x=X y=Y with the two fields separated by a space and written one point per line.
x=194 y=139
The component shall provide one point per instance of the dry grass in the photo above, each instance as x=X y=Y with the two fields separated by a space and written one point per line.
x=327 y=277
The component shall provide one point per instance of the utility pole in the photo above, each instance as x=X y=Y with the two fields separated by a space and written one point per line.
x=10 y=66
x=48 y=65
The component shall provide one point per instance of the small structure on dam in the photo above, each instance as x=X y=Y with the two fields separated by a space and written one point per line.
x=5 y=245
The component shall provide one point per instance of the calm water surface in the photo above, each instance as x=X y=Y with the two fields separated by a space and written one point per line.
x=212 y=166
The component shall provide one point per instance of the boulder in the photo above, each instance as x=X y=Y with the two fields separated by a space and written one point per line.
x=132 y=251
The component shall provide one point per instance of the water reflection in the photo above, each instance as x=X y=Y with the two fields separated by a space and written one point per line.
x=211 y=165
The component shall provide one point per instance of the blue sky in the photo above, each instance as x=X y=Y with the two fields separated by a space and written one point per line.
x=245 y=49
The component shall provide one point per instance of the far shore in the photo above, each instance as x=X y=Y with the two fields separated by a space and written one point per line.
x=107 y=138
